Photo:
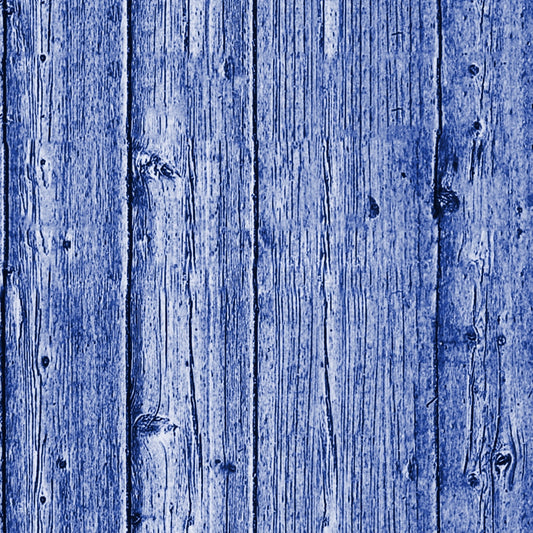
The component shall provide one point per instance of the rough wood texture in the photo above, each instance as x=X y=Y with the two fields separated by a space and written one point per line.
x=65 y=345
x=266 y=266
x=347 y=266
x=485 y=295
x=192 y=266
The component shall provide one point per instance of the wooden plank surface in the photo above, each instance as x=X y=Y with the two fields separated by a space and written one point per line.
x=347 y=266
x=266 y=266
x=192 y=266
x=65 y=324
x=485 y=287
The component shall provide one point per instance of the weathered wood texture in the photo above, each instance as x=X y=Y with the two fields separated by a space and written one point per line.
x=347 y=266
x=192 y=266
x=65 y=345
x=267 y=266
x=485 y=288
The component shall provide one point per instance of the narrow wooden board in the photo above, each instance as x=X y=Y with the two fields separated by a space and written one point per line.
x=65 y=325
x=486 y=287
x=192 y=233
x=347 y=266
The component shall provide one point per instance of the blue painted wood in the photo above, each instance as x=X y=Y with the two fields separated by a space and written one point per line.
x=65 y=322
x=266 y=266
x=485 y=286
x=347 y=266
x=192 y=266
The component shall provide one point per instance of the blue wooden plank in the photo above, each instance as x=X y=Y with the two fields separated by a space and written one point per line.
x=192 y=266
x=328 y=286
x=65 y=323
x=347 y=266
x=485 y=287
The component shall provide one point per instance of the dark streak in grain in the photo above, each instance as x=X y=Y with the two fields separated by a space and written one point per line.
x=255 y=281
x=5 y=262
x=329 y=415
x=194 y=410
x=436 y=212
x=130 y=519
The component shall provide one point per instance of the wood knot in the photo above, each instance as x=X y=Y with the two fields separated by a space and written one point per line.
x=473 y=480
x=373 y=207
x=471 y=334
x=502 y=462
x=227 y=467
x=152 y=167
x=473 y=69
x=153 y=425
x=447 y=202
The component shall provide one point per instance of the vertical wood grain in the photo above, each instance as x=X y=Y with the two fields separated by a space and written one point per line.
x=4 y=225
x=347 y=266
x=317 y=241
x=65 y=283
x=486 y=318
x=192 y=237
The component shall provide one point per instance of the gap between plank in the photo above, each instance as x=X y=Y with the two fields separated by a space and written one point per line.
x=437 y=215
x=129 y=194
x=5 y=261
x=255 y=361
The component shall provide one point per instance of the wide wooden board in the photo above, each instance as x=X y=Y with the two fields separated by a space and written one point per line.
x=347 y=266
x=191 y=296
x=64 y=357
x=485 y=281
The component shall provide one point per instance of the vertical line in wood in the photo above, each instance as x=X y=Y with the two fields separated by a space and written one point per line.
x=5 y=260
x=255 y=362
x=436 y=214
x=439 y=113
x=129 y=192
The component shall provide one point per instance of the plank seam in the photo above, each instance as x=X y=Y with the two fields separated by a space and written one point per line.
x=437 y=215
x=255 y=362
x=129 y=193
x=5 y=269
